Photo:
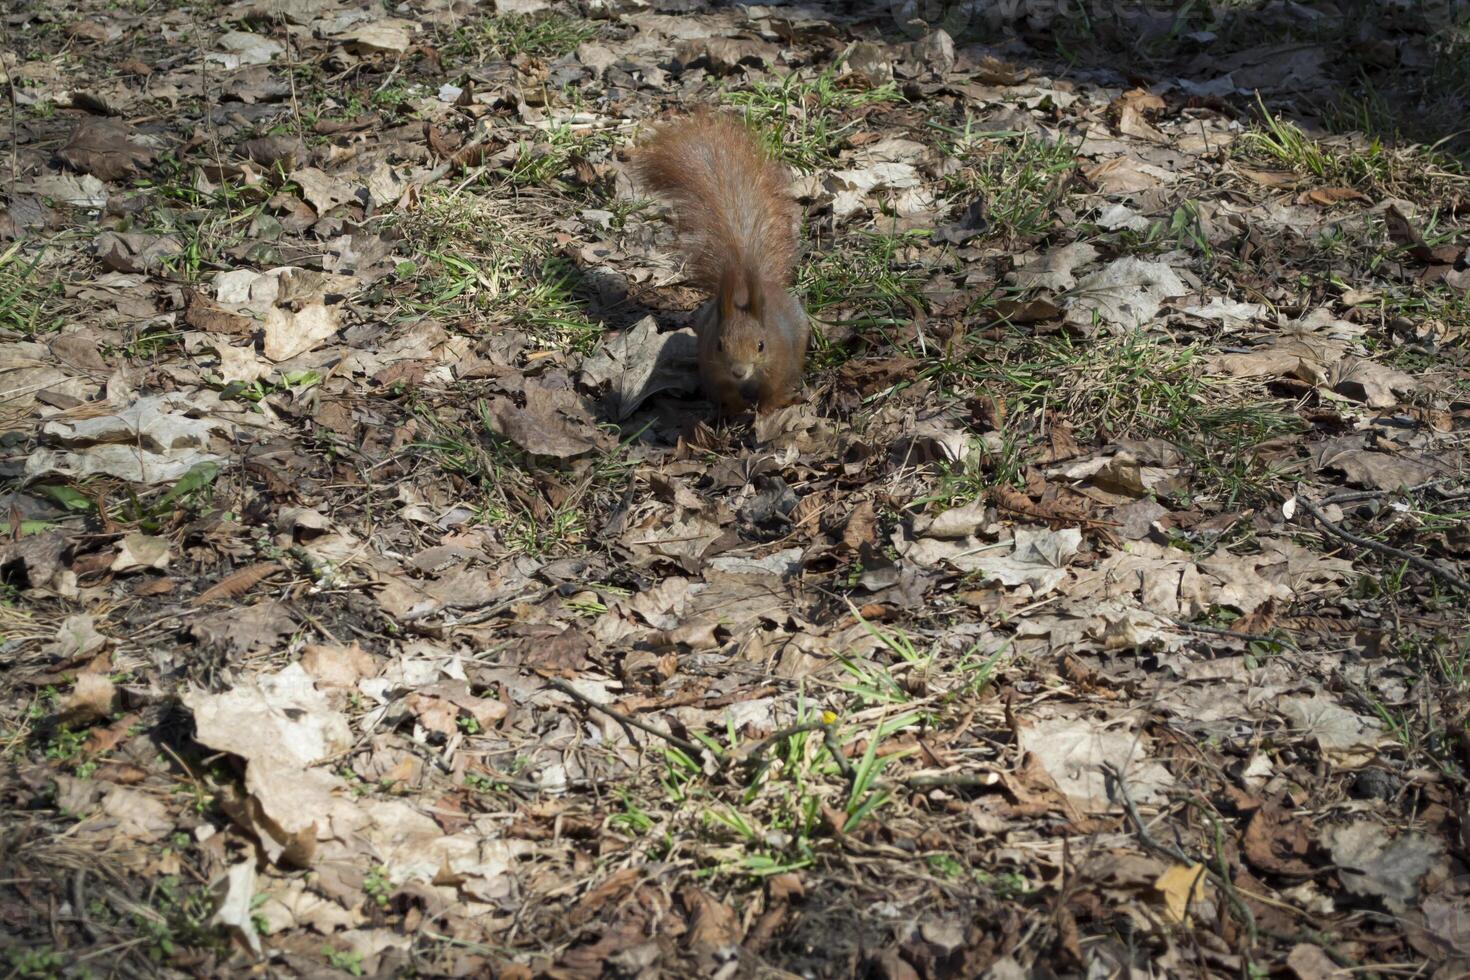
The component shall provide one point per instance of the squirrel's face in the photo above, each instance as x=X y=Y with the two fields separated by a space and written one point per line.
x=741 y=352
x=743 y=337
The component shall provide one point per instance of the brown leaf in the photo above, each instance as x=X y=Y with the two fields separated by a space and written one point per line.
x=1032 y=790
x=725 y=55
x=292 y=332
x=1402 y=232
x=161 y=585
x=269 y=151
x=91 y=699
x=136 y=251
x=1270 y=178
x=338 y=666
x=322 y=190
x=1056 y=511
x=1120 y=175
x=1381 y=471
x=635 y=364
x=240 y=631
x=101 y=147
x=617 y=884
x=1275 y=846
x=1182 y=888
x=553 y=423
x=204 y=314
x=889 y=965
x=1060 y=443
x=238 y=583
x=1326 y=196
x=1259 y=620
x=435 y=714
x=1131 y=111
x=713 y=925
x=106 y=739
x=868 y=376
x=1139 y=100
x=1031 y=311
x=861 y=527
x=1310 y=962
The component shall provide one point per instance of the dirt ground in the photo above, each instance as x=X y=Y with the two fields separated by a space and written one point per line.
x=379 y=597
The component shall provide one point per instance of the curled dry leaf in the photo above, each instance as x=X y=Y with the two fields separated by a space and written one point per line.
x=237 y=583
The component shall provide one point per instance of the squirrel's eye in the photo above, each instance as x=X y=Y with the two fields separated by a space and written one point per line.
x=760 y=347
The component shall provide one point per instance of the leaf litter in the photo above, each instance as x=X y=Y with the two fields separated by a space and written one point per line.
x=381 y=597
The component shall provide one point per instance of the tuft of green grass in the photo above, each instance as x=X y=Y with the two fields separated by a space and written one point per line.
x=987 y=465
x=1430 y=726
x=867 y=281
x=28 y=300
x=1017 y=179
x=40 y=962
x=504 y=36
x=177 y=917
x=482 y=265
x=1366 y=164
x=542 y=162
x=1221 y=443
x=1132 y=386
x=469 y=447
x=348 y=961
x=804 y=117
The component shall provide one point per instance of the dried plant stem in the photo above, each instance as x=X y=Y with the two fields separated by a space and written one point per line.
x=1423 y=564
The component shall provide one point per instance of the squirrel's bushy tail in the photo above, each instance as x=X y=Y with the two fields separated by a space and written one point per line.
x=732 y=212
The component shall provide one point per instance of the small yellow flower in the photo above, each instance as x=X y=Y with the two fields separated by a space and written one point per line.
x=829 y=717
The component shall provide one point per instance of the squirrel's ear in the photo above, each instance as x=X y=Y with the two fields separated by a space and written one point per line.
x=755 y=296
x=729 y=282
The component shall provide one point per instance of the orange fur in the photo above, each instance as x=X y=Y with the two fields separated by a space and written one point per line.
x=731 y=206
x=734 y=220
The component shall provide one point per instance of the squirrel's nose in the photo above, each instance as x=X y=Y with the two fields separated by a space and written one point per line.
x=742 y=372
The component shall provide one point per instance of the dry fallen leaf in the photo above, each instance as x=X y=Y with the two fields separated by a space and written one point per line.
x=1073 y=750
x=236 y=907
x=638 y=363
x=1127 y=293
x=289 y=333
x=1326 y=196
x=141 y=551
x=552 y=423
x=105 y=149
x=1183 y=888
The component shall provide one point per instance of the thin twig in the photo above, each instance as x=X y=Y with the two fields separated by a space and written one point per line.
x=291 y=76
x=757 y=754
x=1147 y=839
x=1352 y=496
x=79 y=902
x=949 y=780
x=1423 y=564
x=427 y=753
x=756 y=759
x=14 y=118
x=1221 y=631
x=829 y=739
x=688 y=748
x=457 y=156
x=1228 y=884
x=490 y=612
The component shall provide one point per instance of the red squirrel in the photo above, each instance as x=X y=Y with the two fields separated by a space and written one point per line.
x=734 y=218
